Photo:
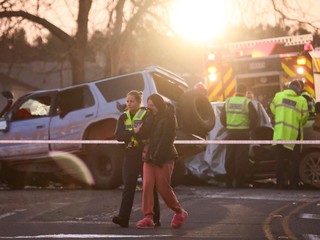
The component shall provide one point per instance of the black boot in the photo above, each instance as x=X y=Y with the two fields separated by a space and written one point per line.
x=121 y=221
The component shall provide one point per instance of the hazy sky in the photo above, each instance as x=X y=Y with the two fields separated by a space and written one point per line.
x=196 y=19
x=204 y=19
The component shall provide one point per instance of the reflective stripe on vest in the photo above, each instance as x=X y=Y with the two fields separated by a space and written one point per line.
x=237 y=112
x=291 y=113
x=135 y=121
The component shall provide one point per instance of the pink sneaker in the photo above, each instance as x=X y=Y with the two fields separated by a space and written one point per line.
x=179 y=219
x=147 y=222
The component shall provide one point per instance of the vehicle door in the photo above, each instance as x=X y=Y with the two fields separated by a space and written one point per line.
x=75 y=109
x=28 y=119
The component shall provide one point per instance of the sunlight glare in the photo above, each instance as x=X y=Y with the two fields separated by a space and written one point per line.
x=199 y=20
x=73 y=165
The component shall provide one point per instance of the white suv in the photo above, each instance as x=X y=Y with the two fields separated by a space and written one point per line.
x=88 y=112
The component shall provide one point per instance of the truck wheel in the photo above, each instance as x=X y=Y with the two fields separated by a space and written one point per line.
x=196 y=113
x=105 y=164
x=310 y=169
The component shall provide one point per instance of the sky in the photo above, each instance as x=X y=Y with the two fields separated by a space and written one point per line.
x=196 y=20
x=203 y=20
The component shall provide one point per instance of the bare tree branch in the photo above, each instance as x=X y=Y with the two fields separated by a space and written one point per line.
x=285 y=16
x=43 y=22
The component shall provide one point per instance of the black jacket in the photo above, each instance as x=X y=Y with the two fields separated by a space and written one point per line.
x=160 y=131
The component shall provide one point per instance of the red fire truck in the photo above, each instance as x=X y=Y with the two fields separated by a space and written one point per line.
x=265 y=66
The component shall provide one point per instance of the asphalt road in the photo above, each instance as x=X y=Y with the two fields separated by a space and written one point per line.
x=215 y=213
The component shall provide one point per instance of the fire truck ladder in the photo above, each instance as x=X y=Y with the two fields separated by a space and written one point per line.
x=287 y=41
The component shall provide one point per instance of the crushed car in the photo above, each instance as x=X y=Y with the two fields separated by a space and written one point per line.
x=209 y=164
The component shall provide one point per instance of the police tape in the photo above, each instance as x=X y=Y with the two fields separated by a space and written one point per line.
x=195 y=142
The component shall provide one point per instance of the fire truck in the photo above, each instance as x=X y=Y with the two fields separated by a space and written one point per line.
x=265 y=66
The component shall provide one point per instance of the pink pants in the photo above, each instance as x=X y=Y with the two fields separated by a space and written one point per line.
x=161 y=178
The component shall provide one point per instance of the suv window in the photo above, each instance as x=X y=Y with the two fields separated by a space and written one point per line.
x=167 y=88
x=123 y=85
x=73 y=99
x=33 y=108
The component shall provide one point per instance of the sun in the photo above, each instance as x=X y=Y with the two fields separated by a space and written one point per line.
x=199 y=20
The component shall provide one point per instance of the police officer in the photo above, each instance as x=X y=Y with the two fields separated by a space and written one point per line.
x=127 y=131
x=290 y=111
x=239 y=116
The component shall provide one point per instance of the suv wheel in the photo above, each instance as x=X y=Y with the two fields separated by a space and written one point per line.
x=196 y=113
x=105 y=164
x=310 y=169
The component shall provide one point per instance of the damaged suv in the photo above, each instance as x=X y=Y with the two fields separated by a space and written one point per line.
x=62 y=118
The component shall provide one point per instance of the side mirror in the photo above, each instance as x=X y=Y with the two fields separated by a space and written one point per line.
x=8 y=95
x=3 y=124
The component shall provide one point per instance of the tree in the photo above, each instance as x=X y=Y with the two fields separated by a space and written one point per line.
x=123 y=17
x=123 y=31
x=292 y=12
x=76 y=44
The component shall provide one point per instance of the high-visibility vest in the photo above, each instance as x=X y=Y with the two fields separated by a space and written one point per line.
x=291 y=114
x=130 y=124
x=237 y=112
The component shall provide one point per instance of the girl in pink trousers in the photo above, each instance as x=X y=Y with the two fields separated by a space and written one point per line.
x=160 y=131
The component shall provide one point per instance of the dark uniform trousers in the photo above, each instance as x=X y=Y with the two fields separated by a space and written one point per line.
x=287 y=159
x=132 y=168
x=236 y=162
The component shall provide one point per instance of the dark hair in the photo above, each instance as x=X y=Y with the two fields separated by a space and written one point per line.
x=136 y=94
x=158 y=101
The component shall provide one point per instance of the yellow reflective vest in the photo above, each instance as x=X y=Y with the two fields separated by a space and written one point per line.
x=237 y=112
x=291 y=114
x=130 y=124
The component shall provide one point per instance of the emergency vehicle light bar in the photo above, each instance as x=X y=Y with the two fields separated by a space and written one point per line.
x=287 y=41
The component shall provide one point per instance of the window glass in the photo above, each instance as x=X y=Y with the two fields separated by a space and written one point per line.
x=168 y=88
x=74 y=99
x=118 y=88
x=33 y=108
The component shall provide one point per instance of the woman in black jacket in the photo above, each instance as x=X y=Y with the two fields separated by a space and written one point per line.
x=160 y=130
x=126 y=132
